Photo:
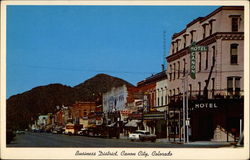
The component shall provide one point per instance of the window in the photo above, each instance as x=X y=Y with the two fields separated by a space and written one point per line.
x=237 y=85
x=199 y=69
x=170 y=74
x=233 y=86
x=158 y=97
x=230 y=85
x=162 y=100
x=206 y=62
x=199 y=88
x=235 y=25
x=184 y=38
x=192 y=36
x=184 y=67
x=174 y=93
x=172 y=47
x=178 y=69
x=234 y=53
x=211 y=27
x=174 y=72
x=178 y=92
x=204 y=31
x=190 y=90
x=177 y=45
x=191 y=41
x=213 y=87
x=85 y=113
x=213 y=58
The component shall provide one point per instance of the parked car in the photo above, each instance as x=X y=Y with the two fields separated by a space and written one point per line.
x=20 y=132
x=58 y=130
x=83 y=132
x=142 y=136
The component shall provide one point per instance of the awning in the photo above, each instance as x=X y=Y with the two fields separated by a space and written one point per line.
x=132 y=123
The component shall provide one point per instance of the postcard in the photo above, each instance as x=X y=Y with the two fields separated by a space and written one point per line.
x=124 y=80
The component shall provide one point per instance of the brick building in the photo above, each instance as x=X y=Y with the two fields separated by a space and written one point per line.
x=80 y=111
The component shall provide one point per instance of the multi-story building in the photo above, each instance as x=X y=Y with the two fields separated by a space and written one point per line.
x=61 y=117
x=155 y=100
x=216 y=93
x=80 y=112
x=115 y=102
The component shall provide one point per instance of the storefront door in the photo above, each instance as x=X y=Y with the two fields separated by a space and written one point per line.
x=205 y=124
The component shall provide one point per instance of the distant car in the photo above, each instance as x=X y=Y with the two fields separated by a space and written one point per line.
x=20 y=132
x=57 y=130
x=83 y=132
x=142 y=136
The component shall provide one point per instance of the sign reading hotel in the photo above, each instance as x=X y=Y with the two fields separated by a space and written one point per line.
x=193 y=49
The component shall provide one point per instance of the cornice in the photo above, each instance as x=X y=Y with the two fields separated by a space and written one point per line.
x=206 y=41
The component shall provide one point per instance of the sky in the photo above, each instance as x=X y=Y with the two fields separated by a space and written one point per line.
x=70 y=44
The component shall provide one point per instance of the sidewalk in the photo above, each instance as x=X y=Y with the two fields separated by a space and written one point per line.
x=197 y=143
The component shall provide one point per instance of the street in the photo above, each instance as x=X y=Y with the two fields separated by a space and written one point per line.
x=30 y=139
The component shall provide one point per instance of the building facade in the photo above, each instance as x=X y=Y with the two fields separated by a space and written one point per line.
x=80 y=111
x=155 y=100
x=218 y=78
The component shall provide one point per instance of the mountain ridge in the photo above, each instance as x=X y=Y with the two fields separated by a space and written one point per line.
x=22 y=109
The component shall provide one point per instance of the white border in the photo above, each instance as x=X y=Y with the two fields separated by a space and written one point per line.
x=68 y=153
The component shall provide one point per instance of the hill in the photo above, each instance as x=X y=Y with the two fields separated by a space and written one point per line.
x=23 y=108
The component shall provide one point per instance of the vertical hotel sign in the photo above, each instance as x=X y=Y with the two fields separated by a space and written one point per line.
x=193 y=49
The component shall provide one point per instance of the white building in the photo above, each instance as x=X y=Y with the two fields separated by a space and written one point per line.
x=217 y=89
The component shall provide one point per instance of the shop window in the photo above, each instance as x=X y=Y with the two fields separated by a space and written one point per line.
x=234 y=53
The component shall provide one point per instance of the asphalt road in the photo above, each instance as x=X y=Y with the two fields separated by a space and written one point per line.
x=30 y=139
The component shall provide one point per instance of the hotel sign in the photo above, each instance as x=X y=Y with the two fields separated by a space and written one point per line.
x=204 y=106
x=193 y=49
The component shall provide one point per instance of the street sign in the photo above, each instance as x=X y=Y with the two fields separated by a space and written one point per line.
x=193 y=49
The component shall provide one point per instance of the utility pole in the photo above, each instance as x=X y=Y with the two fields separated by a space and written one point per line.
x=187 y=124
x=183 y=111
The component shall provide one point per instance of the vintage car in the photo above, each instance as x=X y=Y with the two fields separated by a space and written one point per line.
x=142 y=136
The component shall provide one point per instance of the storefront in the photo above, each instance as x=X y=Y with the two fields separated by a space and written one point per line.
x=216 y=120
x=156 y=123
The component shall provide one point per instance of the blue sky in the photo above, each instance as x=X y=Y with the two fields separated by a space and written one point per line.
x=70 y=44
